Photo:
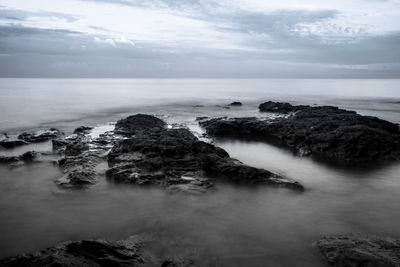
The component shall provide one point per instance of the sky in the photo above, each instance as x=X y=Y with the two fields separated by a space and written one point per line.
x=200 y=38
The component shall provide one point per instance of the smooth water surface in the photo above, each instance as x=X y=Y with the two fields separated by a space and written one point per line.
x=228 y=226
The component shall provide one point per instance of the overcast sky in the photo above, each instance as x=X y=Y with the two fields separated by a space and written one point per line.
x=200 y=38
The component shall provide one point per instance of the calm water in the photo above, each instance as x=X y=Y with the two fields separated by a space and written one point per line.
x=231 y=226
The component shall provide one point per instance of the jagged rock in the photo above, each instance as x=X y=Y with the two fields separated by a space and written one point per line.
x=76 y=147
x=82 y=130
x=82 y=154
x=154 y=154
x=59 y=145
x=95 y=253
x=324 y=132
x=237 y=104
x=358 y=250
x=78 y=177
x=40 y=136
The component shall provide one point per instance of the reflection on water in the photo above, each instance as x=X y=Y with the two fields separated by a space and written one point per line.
x=232 y=226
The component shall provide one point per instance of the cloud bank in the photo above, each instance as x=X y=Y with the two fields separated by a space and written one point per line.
x=200 y=38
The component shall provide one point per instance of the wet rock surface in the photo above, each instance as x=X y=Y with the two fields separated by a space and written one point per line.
x=81 y=155
x=83 y=130
x=40 y=136
x=25 y=138
x=144 y=150
x=325 y=132
x=95 y=253
x=154 y=154
x=358 y=250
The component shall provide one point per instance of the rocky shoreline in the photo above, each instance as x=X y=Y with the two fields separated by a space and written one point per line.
x=324 y=132
x=360 y=250
x=144 y=150
x=132 y=251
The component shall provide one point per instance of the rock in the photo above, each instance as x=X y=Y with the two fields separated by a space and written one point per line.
x=27 y=157
x=78 y=177
x=358 y=250
x=76 y=147
x=40 y=136
x=202 y=118
x=132 y=251
x=277 y=107
x=82 y=154
x=138 y=123
x=237 y=104
x=82 y=130
x=153 y=154
x=324 y=132
x=10 y=143
x=9 y=160
x=59 y=145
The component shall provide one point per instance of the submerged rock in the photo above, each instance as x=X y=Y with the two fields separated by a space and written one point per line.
x=237 y=104
x=95 y=253
x=358 y=250
x=325 y=132
x=153 y=154
x=40 y=136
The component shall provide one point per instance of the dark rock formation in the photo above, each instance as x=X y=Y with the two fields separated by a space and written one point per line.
x=40 y=136
x=143 y=151
x=7 y=142
x=82 y=154
x=202 y=118
x=154 y=154
x=237 y=104
x=280 y=107
x=358 y=250
x=325 y=132
x=11 y=143
x=138 y=123
x=27 y=157
x=82 y=130
x=94 y=253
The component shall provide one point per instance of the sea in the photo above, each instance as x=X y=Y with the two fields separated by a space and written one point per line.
x=233 y=225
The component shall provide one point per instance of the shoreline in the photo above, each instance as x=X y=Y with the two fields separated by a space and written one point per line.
x=88 y=132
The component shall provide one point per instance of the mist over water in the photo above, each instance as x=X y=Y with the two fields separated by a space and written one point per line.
x=29 y=103
x=230 y=226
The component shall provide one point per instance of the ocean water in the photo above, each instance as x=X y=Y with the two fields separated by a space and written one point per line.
x=230 y=226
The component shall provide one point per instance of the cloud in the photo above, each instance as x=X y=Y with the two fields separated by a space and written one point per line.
x=193 y=38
